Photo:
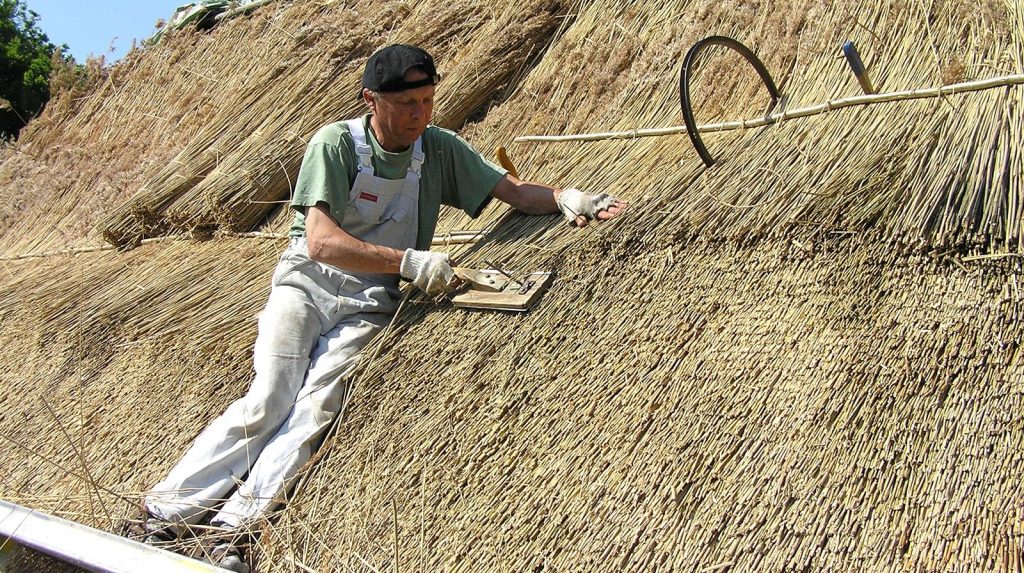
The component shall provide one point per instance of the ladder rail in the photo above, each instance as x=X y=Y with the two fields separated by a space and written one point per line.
x=86 y=547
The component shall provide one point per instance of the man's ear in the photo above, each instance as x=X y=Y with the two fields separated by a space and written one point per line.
x=369 y=101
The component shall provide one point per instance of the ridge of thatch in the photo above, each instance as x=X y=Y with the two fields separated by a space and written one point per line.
x=806 y=357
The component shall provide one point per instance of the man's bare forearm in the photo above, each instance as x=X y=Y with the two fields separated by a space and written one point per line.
x=527 y=196
x=328 y=243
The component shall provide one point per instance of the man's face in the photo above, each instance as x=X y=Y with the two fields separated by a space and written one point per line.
x=401 y=117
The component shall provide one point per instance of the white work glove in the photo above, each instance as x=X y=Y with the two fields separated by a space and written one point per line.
x=428 y=271
x=575 y=203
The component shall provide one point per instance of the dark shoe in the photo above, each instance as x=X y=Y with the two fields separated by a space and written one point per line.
x=149 y=529
x=228 y=555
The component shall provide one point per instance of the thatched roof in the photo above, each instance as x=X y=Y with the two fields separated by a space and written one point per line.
x=803 y=358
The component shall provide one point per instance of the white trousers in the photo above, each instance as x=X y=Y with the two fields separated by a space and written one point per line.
x=316 y=321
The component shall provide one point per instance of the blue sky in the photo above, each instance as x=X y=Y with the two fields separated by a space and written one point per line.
x=93 y=26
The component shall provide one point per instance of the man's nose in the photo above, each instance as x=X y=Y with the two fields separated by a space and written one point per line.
x=424 y=110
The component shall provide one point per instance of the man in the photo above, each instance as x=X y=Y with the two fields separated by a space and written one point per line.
x=367 y=202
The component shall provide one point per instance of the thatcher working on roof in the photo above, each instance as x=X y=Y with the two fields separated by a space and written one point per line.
x=367 y=202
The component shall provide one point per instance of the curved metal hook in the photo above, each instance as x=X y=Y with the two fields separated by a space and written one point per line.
x=684 y=85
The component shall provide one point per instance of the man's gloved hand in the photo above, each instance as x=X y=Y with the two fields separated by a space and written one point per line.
x=427 y=270
x=575 y=203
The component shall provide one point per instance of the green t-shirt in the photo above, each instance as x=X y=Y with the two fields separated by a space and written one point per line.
x=453 y=174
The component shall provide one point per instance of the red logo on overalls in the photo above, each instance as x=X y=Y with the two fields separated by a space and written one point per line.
x=367 y=196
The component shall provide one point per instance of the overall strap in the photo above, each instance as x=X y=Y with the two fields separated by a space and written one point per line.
x=418 y=157
x=363 y=150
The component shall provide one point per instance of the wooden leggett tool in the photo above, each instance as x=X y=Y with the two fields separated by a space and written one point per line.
x=493 y=289
x=496 y=288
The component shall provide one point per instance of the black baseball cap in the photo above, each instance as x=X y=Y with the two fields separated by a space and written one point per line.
x=385 y=70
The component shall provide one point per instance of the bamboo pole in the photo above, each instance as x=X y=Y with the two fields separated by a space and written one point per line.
x=831 y=105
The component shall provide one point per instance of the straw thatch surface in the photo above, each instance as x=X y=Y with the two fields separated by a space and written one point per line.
x=804 y=358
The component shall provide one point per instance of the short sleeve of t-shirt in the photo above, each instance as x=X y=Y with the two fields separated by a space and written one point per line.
x=328 y=168
x=471 y=177
x=454 y=175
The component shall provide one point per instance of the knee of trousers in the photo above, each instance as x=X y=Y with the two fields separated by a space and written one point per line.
x=256 y=414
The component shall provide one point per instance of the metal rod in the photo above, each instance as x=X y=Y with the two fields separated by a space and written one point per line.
x=857 y=67
x=89 y=548
x=686 y=73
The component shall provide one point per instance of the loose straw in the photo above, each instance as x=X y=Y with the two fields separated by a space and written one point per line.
x=840 y=103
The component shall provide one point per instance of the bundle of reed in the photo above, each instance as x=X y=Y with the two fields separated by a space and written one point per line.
x=502 y=52
x=750 y=188
x=267 y=152
x=142 y=215
x=940 y=181
x=299 y=95
x=250 y=101
x=143 y=112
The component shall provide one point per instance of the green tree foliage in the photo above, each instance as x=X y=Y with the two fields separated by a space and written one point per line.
x=25 y=64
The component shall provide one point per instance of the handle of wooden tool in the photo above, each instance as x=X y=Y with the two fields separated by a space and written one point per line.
x=505 y=161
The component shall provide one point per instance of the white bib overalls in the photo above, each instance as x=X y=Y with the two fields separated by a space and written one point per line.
x=316 y=321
